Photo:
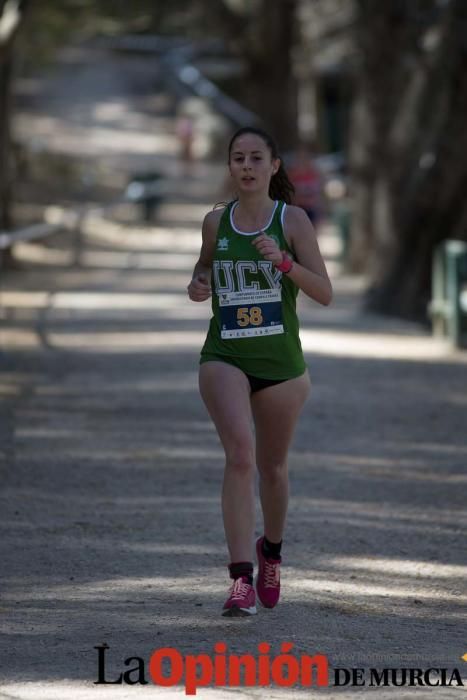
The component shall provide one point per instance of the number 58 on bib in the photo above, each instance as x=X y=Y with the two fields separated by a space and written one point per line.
x=252 y=313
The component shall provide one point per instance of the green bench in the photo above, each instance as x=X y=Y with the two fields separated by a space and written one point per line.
x=448 y=306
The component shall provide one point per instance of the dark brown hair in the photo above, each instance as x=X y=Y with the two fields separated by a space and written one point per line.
x=280 y=186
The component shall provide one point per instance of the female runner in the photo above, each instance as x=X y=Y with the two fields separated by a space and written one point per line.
x=257 y=253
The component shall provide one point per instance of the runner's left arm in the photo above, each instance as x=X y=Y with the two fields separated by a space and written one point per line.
x=309 y=271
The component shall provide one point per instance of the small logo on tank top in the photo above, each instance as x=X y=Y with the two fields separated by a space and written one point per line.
x=223 y=244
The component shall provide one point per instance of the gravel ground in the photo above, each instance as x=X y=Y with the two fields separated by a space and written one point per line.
x=111 y=476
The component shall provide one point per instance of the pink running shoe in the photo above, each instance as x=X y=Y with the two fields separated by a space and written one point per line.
x=268 y=584
x=242 y=599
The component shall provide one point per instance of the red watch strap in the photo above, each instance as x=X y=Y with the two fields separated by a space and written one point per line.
x=286 y=264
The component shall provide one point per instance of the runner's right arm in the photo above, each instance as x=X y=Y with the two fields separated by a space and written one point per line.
x=199 y=288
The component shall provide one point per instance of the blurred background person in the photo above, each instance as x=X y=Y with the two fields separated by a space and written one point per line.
x=306 y=179
x=185 y=132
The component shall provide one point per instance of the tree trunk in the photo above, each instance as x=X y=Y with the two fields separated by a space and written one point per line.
x=274 y=88
x=362 y=167
x=10 y=19
x=410 y=182
x=5 y=155
x=264 y=34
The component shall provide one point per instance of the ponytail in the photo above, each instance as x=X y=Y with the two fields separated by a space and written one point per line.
x=280 y=186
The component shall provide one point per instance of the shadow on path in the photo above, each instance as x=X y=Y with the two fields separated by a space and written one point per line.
x=111 y=477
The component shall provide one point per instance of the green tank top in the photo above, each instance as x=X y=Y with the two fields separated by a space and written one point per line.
x=254 y=325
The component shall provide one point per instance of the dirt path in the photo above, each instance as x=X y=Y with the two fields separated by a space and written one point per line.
x=110 y=508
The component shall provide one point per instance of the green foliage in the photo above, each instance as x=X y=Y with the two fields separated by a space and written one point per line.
x=51 y=25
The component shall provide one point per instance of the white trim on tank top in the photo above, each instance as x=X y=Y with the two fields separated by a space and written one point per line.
x=282 y=216
x=251 y=233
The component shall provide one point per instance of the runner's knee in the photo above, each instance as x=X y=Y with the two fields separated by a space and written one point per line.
x=273 y=472
x=240 y=459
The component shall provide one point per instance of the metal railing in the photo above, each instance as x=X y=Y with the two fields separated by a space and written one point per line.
x=28 y=233
x=57 y=220
x=178 y=55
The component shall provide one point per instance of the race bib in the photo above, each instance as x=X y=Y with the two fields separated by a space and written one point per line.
x=251 y=313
